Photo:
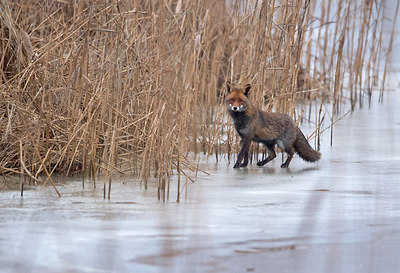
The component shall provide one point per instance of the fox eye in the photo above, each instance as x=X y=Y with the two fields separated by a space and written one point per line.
x=232 y=101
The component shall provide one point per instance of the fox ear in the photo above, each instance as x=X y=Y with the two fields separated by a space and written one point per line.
x=228 y=86
x=247 y=90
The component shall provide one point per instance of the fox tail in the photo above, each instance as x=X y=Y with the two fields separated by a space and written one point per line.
x=304 y=149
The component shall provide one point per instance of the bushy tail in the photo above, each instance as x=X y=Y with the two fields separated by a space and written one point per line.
x=304 y=149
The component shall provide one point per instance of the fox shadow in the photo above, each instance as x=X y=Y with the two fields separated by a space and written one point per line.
x=302 y=170
x=275 y=169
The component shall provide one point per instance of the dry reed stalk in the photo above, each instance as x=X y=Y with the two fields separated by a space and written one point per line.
x=96 y=88
x=389 y=52
x=338 y=73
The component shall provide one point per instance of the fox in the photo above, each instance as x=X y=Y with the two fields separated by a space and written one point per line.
x=268 y=128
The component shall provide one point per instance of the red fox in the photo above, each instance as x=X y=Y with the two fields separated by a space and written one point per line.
x=253 y=124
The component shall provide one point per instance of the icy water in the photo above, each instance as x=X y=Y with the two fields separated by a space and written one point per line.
x=340 y=215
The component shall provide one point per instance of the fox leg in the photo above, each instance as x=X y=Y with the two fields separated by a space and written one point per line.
x=245 y=160
x=290 y=153
x=271 y=155
x=244 y=153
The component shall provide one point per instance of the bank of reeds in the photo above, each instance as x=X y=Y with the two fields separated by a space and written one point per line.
x=116 y=87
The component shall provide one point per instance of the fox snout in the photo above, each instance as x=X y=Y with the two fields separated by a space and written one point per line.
x=236 y=108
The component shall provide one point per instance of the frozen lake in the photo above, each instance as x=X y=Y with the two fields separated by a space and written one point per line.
x=340 y=215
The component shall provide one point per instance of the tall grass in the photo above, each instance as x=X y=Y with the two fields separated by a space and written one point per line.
x=106 y=87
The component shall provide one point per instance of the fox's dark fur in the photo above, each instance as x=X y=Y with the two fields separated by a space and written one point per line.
x=253 y=124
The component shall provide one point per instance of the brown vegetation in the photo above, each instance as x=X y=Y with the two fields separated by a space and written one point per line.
x=103 y=87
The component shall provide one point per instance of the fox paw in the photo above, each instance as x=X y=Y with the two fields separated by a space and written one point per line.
x=237 y=165
x=284 y=165
x=260 y=163
x=243 y=165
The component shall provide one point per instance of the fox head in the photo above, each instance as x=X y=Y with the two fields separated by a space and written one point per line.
x=236 y=100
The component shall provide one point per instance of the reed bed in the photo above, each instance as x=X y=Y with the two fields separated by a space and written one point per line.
x=136 y=87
